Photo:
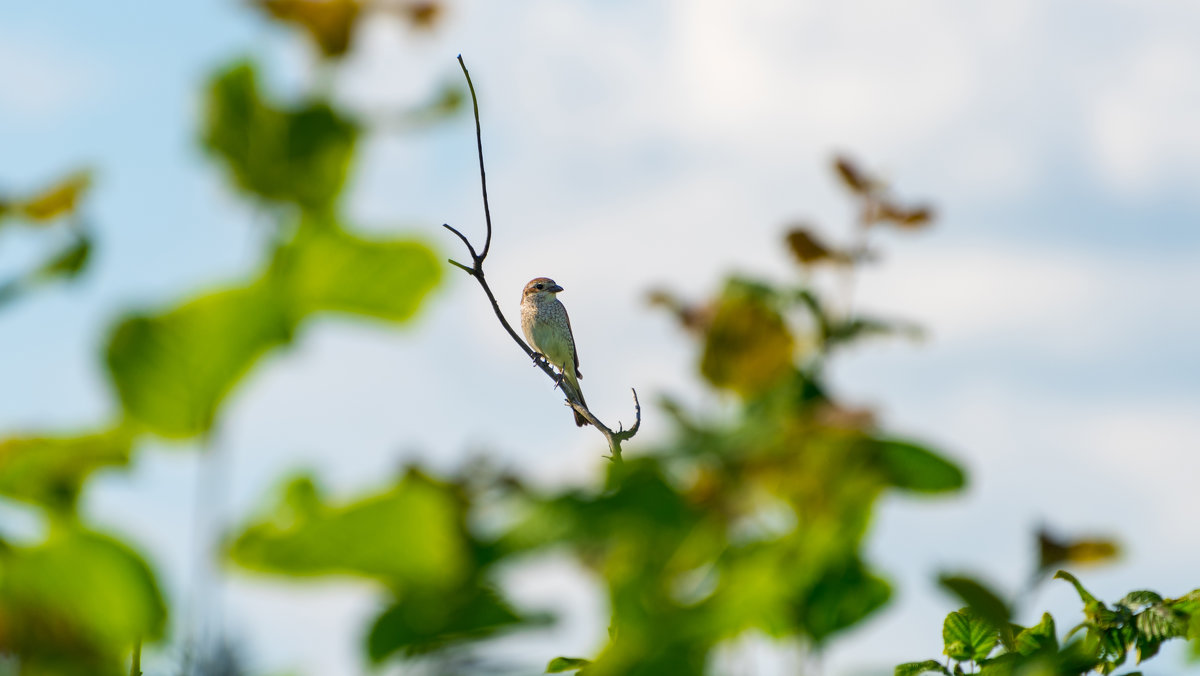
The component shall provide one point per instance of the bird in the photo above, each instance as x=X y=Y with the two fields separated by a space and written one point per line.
x=548 y=330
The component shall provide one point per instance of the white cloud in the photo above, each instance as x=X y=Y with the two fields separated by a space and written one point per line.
x=1143 y=118
x=1056 y=302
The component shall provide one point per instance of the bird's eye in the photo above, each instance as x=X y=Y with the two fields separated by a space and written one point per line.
x=541 y=286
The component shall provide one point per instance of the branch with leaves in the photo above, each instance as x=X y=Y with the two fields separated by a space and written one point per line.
x=614 y=438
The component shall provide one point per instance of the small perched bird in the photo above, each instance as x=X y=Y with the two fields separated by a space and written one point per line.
x=548 y=330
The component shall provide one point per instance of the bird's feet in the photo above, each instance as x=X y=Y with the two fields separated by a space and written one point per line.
x=539 y=359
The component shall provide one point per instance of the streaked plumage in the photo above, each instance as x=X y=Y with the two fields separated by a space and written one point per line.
x=548 y=330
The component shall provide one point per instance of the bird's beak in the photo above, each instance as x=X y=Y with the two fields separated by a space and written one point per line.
x=555 y=289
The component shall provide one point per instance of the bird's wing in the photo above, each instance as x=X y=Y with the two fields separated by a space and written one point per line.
x=571 y=335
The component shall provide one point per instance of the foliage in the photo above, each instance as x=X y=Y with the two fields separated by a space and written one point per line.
x=54 y=211
x=982 y=633
x=750 y=520
x=753 y=523
x=75 y=601
x=434 y=569
x=67 y=603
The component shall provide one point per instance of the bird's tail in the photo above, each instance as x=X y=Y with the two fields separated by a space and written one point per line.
x=580 y=421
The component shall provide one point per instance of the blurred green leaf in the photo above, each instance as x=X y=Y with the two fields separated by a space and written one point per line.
x=916 y=468
x=329 y=269
x=69 y=262
x=918 y=668
x=173 y=370
x=560 y=664
x=968 y=636
x=1188 y=603
x=425 y=620
x=1038 y=638
x=748 y=347
x=410 y=537
x=983 y=601
x=299 y=155
x=49 y=471
x=76 y=603
x=842 y=598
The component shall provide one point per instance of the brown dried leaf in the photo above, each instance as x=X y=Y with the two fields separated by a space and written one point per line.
x=423 y=15
x=694 y=318
x=853 y=177
x=330 y=23
x=57 y=200
x=845 y=417
x=1053 y=552
x=911 y=218
x=807 y=249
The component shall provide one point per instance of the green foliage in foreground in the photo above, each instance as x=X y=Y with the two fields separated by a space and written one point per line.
x=75 y=603
x=982 y=634
x=749 y=518
x=750 y=521
x=78 y=602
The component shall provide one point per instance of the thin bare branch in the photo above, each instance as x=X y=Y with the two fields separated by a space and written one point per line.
x=574 y=398
x=487 y=212
x=475 y=258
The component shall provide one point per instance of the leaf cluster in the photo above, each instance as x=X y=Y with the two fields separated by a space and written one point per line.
x=78 y=601
x=983 y=634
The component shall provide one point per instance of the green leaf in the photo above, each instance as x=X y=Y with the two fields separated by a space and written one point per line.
x=1158 y=622
x=561 y=664
x=425 y=620
x=1188 y=603
x=1136 y=600
x=918 y=668
x=1038 y=638
x=173 y=370
x=67 y=263
x=49 y=471
x=411 y=536
x=968 y=636
x=1084 y=594
x=983 y=601
x=916 y=468
x=748 y=347
x=297 y=155
x=843 y=597
x=80 y=599
x=328 y=269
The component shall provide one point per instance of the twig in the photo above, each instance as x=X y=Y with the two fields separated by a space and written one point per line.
x=135 y=662
x=574 y=399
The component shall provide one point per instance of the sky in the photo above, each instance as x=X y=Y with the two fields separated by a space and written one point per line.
x=633 y=145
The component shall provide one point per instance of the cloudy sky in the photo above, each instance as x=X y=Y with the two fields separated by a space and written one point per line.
x=639 y=144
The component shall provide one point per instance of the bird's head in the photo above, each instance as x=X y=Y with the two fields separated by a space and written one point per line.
x=540 y=289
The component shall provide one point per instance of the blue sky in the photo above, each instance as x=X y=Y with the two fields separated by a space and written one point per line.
x=633 y=145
